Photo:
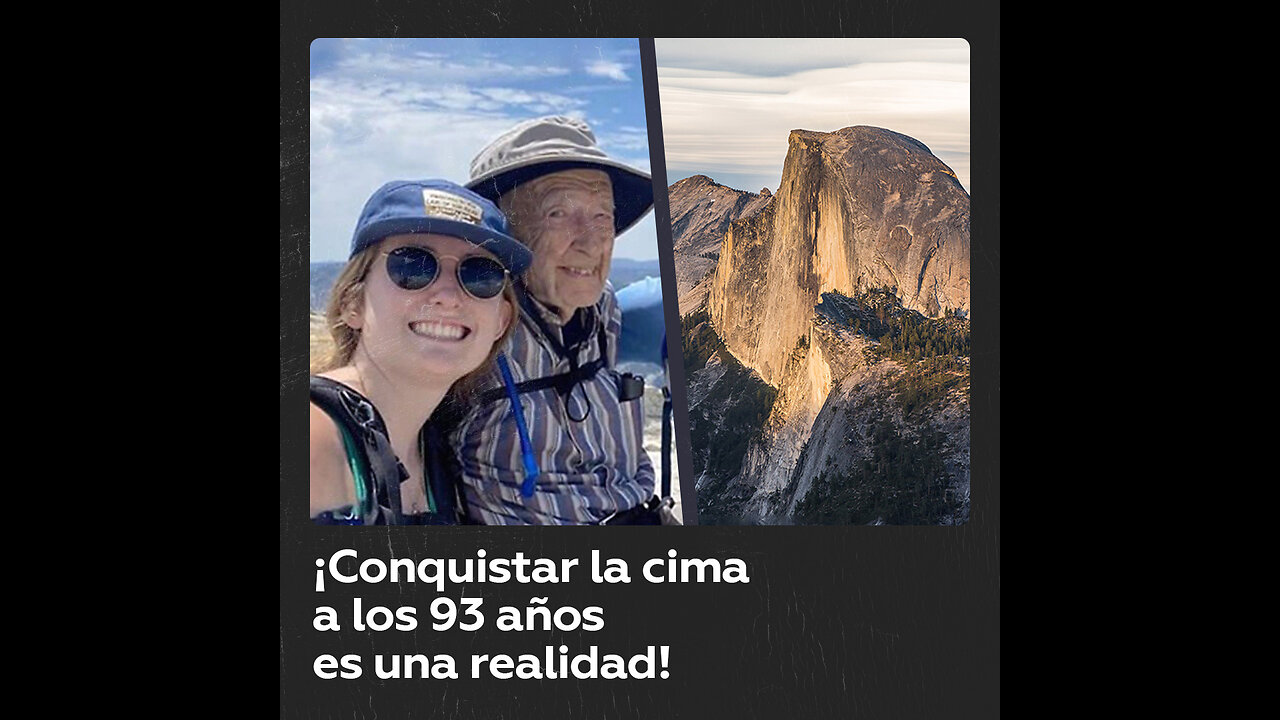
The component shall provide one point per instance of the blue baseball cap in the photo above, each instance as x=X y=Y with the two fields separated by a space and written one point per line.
x=438 y=206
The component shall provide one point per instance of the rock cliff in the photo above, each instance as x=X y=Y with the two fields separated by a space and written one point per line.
x=854 y=435
x=701 y=211
x=857 y=209
x=839 y=306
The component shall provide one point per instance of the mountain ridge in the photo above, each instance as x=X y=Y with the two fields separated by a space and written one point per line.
x=846 y=293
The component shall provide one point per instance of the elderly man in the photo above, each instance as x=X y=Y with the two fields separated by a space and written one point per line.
x=561 y=441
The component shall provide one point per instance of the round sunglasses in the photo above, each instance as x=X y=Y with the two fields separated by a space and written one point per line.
x=413 y=268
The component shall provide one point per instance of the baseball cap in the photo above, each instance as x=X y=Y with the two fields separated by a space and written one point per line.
x=438 y=206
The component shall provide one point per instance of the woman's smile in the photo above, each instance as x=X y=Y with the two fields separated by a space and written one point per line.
x=440 y=330
x=437 y=329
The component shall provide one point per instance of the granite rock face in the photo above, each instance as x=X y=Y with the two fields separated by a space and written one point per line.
x=701 y=210
x=861 y=212
x=857 y=209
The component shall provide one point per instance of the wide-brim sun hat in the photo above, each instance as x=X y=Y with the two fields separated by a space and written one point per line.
x=546 y=145
x=439 y=206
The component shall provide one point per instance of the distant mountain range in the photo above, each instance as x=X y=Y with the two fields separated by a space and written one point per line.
x=622 y=272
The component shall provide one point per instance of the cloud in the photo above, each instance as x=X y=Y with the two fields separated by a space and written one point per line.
x=623 y=139
x=764 y=57
x=732 y=112
x=608 y=69
x=437 y=68
x=352 y=154
x=377 y=116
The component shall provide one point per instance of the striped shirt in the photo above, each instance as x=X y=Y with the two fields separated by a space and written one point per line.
x=590 y=467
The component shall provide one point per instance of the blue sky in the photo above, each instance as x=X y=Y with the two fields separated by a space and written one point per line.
x=386 y=109
x=728 y=105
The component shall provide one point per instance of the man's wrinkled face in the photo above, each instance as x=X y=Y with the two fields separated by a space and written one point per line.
x=566 y=219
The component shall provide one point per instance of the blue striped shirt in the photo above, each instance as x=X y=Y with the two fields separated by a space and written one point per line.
x=590 y=467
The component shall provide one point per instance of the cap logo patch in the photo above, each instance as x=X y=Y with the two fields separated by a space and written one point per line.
x=438 y=203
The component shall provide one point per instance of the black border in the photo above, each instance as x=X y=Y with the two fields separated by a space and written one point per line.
x=670 y=297
x=837 y=622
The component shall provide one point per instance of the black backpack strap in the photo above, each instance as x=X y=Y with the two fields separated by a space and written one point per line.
x=563 y=383
x=440 y=467
x=361 y=420
x=666 y=423
x=436 y=435
x=531 y=310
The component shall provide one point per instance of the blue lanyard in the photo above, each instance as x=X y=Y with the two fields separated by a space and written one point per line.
x=526 y=447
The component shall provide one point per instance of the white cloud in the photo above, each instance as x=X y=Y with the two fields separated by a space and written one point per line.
x=437 y=68
x=364 y=136
x=608 y=69
x=376 y=116
x=728 y=106
x=623 y=139
x=778 y=57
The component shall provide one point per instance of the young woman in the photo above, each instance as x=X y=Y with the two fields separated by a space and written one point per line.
x=424 y=302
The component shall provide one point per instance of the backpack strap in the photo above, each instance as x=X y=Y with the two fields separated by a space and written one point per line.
x=439 y=470
x=666 y=424
x=359 y=420
x=563 y=383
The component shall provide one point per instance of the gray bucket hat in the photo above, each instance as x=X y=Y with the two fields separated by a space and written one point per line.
x=545 y=145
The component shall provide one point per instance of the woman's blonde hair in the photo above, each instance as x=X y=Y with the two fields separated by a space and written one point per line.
x=347 y=296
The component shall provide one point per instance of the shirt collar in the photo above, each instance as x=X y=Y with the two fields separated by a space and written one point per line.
x=552 y=318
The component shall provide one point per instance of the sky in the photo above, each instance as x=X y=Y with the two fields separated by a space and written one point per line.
x=728 y=106
x=386 y=109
